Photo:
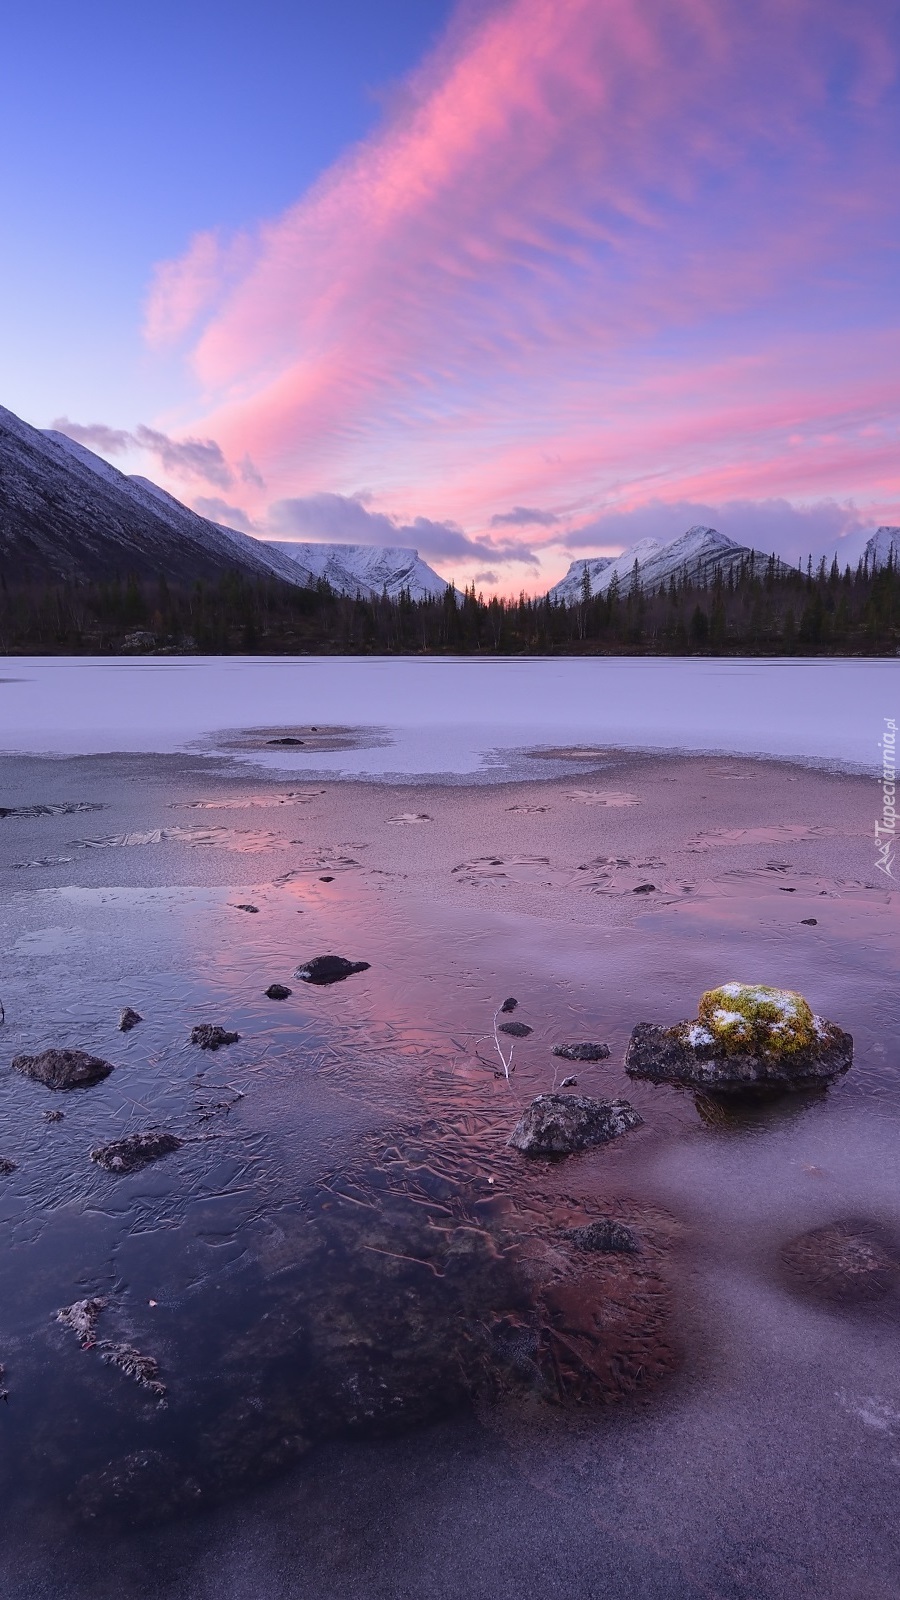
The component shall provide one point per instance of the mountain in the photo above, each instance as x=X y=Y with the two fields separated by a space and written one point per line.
x=696 y=555
x=66 y=513
x=365 y=569
x=883 y=542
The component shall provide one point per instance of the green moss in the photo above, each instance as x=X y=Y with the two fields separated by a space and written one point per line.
x=751 y=1017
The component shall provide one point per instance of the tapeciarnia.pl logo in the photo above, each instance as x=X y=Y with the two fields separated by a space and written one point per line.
x=886 y=828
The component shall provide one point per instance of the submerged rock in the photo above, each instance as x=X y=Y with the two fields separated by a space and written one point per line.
x=128 y=1019
x=581 y=1052
x=6 y=1167
x=54 y=1116
x=209 y=1036
x=748 y=1038
x=605 y=1235
x=136 y=1151
x=278 y=991
x=247 y=907
x=63 y=1069
x=569 y=1083
x=82 y=1318
x=329 y=969
x=842 y=1261
x=516 y=1030
x=560 y=1124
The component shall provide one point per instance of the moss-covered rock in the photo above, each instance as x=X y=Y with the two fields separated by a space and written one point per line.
x=752 y=1016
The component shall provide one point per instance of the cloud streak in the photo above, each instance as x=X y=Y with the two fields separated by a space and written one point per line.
x=600 y=255
x=341 y=519
x=182 y=458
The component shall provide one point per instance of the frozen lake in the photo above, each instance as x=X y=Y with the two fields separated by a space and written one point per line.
x=449 y=716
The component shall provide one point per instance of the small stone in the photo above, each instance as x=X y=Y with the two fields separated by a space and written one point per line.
x=54 y=1116
x=605 y=1235
x=128 y=1019
x=645 y=888
x=209 y=1036
x=278 y=991
x=253 y=909
x=329 y=969
x=582 y=1052
x=809 y=922
x=63 y=1069
x=6 y=1167
x=286 y=740
x=326 y=879
x=136 y=1151
x=516 y=1030
x=560 y=1124
x=509 y=1005
x=569 y=1083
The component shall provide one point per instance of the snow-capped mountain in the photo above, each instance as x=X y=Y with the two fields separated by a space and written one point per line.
x=66 y=513
x=364 y=569
x=696 y=555
x=883 y=541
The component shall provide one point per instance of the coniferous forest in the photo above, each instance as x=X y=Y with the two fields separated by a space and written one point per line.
x=758 y=609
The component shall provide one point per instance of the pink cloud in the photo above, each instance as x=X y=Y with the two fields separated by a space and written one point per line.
x=599 y=253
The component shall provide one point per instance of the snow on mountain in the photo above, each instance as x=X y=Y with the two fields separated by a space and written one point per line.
x=369 y=570
x=67 y=513
x=696 y=555
x=883 y=541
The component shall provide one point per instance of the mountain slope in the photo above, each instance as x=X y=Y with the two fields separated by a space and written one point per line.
x=66 y=513
x=884 y=541
x=365 y=569
x=696 y=555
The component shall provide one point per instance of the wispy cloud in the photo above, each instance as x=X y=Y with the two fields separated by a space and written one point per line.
x=522 y=516
x=344 y=519
x=597 y=255
x=222 y=511
x=95 y=435
x=183 y=458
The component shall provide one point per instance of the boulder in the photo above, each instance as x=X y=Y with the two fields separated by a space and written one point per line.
x=136 y=1151
x=605 y=1235
x=747 y=1039
x=209 y=1036
x=329 y=969
x=582 y=1052
x=128 y=1019
x=560 y=1124
x=63 y=1069
x=278 y=991
x=516 y=1030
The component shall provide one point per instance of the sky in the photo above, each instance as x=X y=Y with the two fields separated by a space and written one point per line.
x=513 y=281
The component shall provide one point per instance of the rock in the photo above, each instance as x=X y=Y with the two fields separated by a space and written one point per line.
x=748 y=1039
x=560 y=1124
x=6 y=1167
x=136 y=1151
x=606 y=1235
x=278 y=991
x=581 y=1052
x=329 y=969
x=645 y=888
x=82 y=1317
x=509 y=1005
x=569 y=1083
x=54 y=1116
x=845 y=1260
x=128 y=1019
x=209 y=1036
x=63 y=1069
x=286 y=740
x=516 y=1030
x=326 y=879
x=253 y=909
x=809 y=922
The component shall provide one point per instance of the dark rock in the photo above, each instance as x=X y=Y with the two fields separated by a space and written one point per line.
x=645 y=888
x=569 y=1083
x=327 y=879
x=846 y=1261
x=582 y=1052
x=63 y=1069
x=329 y=969
x=145 y=1486
x=82 y=1318
x=605 y=1235
x=54 y=1116
x=516 y=1030
x=809 y=922
x=286 y=740
x=560 y=1124
x=253 y=909
x=509 y=1005
x=128 y=1019
x=669 y=1055
x=6 y=1167
x=136 y=1151
x=278 y=991
x=209 y=1036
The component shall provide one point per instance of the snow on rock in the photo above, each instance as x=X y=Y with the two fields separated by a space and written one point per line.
x=696 y=554
x=884 y=542
x=365 y=569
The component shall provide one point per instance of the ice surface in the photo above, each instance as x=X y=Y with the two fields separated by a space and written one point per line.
x=449 y=715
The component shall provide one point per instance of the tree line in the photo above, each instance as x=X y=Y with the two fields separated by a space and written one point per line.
x=758 y=607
